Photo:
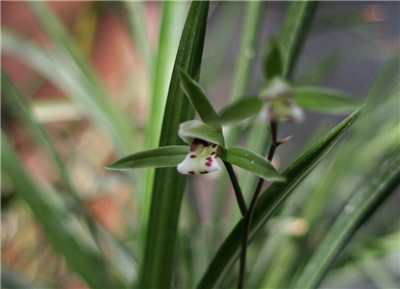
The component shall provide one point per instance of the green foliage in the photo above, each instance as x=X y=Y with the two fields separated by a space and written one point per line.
x=273 y=59
x=194 y=129
x=324 y=100
x=302 y=221
x=354 y=214
x=270 y=201
x=60 y=227
x=198 y=98
x=241 y=109
x=157 y=266
x=251 y=162
x=168 y=156
x=297 y=22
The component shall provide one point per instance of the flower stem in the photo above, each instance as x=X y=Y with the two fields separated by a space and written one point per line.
x=236 y=188
x=247 y=217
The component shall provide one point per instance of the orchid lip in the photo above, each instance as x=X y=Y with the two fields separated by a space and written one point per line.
x=202 y=159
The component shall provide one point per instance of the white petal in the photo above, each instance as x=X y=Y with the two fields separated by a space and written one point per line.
x=297 y=113
x=200 y=160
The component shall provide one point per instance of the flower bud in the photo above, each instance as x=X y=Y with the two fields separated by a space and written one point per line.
x=280 y=103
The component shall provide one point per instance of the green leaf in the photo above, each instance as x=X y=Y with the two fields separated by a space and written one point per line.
x=198 y=98
x=354 y=214
x=170 y=28
x=324 y=100
x=251 y=162
x=268 y=204
x=241 y=109
x=273 y=65
x=168 y=156
x=248 y=46
x=57 y=222
x=139 y=30
x=192 y=129
x=297 y=22
x=59 y=68
x=158 y=260
x=41 y=139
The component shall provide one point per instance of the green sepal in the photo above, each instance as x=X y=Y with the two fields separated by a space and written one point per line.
x=325 y=100
x=251 y=162
x=241 y=109
x=192 y=129
x=273 y=64
x=198 y=99
x=167 y=156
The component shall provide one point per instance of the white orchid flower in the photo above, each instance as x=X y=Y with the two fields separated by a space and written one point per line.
x=202 y=157
x=280 y=104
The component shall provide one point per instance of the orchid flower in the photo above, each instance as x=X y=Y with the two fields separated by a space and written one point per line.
x=279 y=102
x=202 y=156
x=206 y=145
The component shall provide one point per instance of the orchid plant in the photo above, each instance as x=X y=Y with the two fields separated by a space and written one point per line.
x=167 y=241
x=278 y=101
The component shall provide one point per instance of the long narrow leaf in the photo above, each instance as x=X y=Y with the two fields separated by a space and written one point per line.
x=138 y=28
x=269 y=202
x=298 y=20
x=84 y=75
x=325 y=100
x=357 y=210
x=41 y=138
x=170 y=26
x=36 y=131
x=57 y=67
x=156 y=271
x=56 y=222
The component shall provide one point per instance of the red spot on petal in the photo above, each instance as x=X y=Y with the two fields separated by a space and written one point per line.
x=208 y=164
x=204 y=172
x=214 y=145
x=192 y=156
x=213 y=153
x=191 y=172
x=209 y=159
x=193 y=147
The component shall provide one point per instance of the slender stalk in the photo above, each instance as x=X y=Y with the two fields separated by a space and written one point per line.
x=248 y=45
x=247 y=218
x=236 y=188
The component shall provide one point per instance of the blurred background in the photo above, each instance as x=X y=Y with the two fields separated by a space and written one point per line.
x=95 y=106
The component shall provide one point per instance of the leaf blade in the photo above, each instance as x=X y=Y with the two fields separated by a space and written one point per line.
x=297 y=22
x=168 y=183
x=56 y=222
x=168 y=156
x=324 y=100
x=251 y=162
x=352 y=216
